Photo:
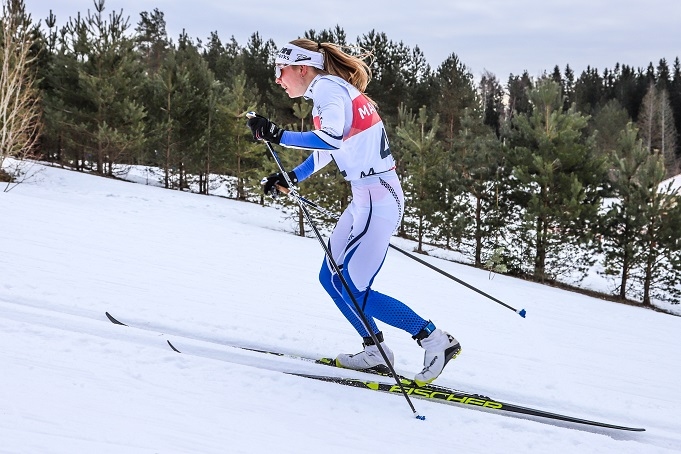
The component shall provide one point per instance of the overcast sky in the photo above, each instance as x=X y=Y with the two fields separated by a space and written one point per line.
x=500 y=36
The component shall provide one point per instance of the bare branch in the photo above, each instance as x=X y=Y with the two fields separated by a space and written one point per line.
x=20 y=110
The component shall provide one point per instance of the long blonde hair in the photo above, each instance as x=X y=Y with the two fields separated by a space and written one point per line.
x=339 y=63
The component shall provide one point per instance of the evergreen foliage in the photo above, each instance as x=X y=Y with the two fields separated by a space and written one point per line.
x=424 y=163
x=556 y=177
x=481 y=183
x=638 y=240
x=512 y=175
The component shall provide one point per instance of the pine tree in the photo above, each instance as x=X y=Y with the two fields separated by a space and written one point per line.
x=334 y=35
x=224 y=60
x=627 y=90
x=569 y=86
x=257 y=62
x=663 y=75
x=589 y=91
x=518 y=101
x=659 y=275
x=200 y=100
x=151 y=39
x=626 y=216
x=168 y=110
x=675 y=100
x=243 y=157
x=423 y=158
x=648 y=118
x=215 y=136
x=107 y=121
x=396 y=70
x=455 y=92
x=479 y=176
x=62 y=96
x=492 y=100
x=608 y=124
x=557 y=174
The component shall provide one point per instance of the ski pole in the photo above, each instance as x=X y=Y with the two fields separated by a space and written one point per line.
x=520 y=312
x=326 y=212
x=338 y=272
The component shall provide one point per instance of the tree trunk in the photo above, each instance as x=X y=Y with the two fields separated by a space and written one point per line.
x=540 y=258
x=301 y=222
x=625 y=275
x=478 y=232
x=420 y=235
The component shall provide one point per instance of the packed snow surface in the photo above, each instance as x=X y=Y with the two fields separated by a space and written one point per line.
x=210 y=273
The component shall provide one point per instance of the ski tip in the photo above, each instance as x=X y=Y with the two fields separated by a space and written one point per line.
x=173 y=347
x=420 y=417
x=522 y=313
x=113 y=320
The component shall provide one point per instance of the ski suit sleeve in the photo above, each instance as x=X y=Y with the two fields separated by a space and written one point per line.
x=310 y=140
x=317 y=160
x=329 y=108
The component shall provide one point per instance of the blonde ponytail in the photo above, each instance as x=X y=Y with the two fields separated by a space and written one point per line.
x=337 y=62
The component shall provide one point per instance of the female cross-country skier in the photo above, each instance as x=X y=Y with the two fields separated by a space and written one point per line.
x=350 y=132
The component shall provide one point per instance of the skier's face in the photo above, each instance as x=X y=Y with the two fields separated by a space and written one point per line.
x=292 y=79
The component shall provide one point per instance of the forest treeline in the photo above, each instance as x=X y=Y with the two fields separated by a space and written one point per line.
x=543 y=177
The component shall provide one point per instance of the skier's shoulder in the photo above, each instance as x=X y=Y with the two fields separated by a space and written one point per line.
x=329 y=84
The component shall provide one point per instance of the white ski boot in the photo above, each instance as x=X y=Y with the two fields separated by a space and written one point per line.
x=441 y=347
x=368 y=359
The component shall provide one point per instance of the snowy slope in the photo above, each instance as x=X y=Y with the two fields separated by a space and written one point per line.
x=210 y=272
x=674 y=181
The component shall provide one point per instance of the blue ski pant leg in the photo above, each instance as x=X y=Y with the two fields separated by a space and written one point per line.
x=332 y=283
x=360 y=242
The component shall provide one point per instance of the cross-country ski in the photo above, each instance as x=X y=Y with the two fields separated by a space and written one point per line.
x=434 y=393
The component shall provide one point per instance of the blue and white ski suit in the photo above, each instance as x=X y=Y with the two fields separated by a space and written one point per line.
x=350 y=132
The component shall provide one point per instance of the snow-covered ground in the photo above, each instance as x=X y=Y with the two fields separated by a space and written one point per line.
x=675 y=183
x=210 y=272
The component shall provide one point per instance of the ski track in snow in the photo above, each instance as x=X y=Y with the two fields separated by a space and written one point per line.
x=206 y=273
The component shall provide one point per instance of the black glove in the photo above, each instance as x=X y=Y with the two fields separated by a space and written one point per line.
x=264 y=129
x=269 y=183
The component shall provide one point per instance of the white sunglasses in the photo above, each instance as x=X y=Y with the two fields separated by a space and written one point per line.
x=277 y=70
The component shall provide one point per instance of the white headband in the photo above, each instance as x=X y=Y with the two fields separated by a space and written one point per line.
x=294 y=55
